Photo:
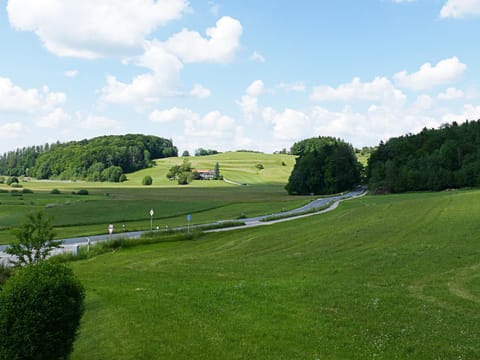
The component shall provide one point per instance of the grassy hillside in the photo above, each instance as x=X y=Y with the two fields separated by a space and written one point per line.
x=236 y=166
x=394 y=277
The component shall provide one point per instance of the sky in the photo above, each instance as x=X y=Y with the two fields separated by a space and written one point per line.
x=230 y=75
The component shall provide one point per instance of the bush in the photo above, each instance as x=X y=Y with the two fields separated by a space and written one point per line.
x=82 y=192
x=40 y=311
x=259 y=166
x=27 y=191
x=123 y=178
x=147 y=180
x=16 y=185
x=55 y=191
x=12 y=180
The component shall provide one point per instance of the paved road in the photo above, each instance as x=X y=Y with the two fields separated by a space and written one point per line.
x=71 y=243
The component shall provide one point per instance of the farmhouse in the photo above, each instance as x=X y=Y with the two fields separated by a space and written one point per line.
x=206 y=174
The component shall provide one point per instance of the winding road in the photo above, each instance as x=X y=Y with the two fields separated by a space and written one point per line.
x=71 y=244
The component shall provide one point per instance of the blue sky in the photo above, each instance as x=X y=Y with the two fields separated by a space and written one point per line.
x=232 y=74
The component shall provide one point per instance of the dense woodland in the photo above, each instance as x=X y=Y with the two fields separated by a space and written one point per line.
x=434 y=159
x=325 y=165
x=104 y=158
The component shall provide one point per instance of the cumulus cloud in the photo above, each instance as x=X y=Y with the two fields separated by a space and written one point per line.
x=289 y=124
x=460 y=8
x=380 y=89
x=173 y=115
x=469 y=112
x=95 y=122
x=71 y=73
x=11 y=130
x=93 y=28
x=428 y=76
x=451 y=94
x=54 y=119
x=220 y=46
x=200 y=92
x=249 y=102
x=15 y=98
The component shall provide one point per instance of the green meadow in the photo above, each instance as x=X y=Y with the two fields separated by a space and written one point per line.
x=390 y=277
x=127 y=205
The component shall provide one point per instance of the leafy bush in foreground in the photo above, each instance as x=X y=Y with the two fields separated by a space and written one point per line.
x=40 y=311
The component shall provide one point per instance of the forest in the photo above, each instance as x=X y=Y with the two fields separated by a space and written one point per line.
x=105 y=158
x=434 y=159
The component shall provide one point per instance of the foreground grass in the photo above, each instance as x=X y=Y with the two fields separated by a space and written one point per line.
x=394 y=277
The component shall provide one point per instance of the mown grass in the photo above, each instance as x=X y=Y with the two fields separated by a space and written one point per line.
x=393 y=277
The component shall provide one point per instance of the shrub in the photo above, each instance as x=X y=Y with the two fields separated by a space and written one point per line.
x=147 y=180
x=15 y=185
x=123 y=178
x=40 y=311
x=55 y=191
x=82 y=192
x=259 y=166
x=11 y=180
x=183 y=178
x=27 y=191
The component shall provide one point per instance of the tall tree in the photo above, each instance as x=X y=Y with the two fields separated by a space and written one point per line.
x=325 y=166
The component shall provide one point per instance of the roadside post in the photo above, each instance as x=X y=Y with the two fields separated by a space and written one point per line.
x=110 y=230
x=151 y=219
x=189 y=218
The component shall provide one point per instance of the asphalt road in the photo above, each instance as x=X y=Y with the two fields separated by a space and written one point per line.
x=71 y=243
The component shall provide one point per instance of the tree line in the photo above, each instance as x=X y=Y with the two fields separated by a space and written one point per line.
x=434 y=159
x=105 y=158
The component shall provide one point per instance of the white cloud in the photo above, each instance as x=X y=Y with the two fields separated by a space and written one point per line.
x=257 y=57
x=11 y=130
x=54 y=120
x=173 y=115
x=93 y=28
x=220 y=47
x=71 y=73
x=94 y=122
x=469 y=112
x=290 y=125
x=451 y=94
x=15 y=98
x=296 y=87
x=200 y=92
x=428 y=76
x=380 y=89
x=249 y=102
x=460 y=8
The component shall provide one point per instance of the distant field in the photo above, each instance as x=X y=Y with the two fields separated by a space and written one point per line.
x=392 y=277
x=129 y=203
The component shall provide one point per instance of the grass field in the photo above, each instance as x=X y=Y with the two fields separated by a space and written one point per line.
x=392 y=277
x=129 y=203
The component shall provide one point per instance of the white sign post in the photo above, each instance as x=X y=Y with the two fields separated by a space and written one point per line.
x=189 y=217
x=110 y=230
x=151 y=219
